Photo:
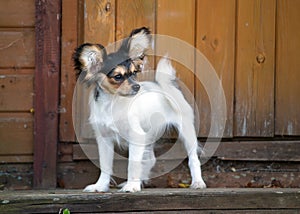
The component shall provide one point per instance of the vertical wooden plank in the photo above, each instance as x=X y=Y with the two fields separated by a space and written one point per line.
x=99 y=21
x=68 y=77
x=216 y=40
x=47 y=73
x=98 y=27
x=287 y=68
x=254 y=92
x=176 y=18
x=133 y=14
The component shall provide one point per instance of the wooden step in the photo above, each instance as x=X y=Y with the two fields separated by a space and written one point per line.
x=275 y=200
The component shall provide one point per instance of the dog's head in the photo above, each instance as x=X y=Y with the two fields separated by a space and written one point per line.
x=114 y=73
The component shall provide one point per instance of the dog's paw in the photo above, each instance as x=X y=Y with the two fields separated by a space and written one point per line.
x=96 y=188
x=198 y=185
x=131 y=187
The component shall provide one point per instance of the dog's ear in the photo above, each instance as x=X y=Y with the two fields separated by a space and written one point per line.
x=139 y=41
x=88 y=61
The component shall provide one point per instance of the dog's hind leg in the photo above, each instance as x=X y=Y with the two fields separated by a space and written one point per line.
x=188 y=136
x=106 y=154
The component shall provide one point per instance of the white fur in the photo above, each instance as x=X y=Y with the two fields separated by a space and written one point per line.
x=138 y=44
x=114 y=118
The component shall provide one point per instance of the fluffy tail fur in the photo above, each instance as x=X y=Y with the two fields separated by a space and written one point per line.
x=166 y=78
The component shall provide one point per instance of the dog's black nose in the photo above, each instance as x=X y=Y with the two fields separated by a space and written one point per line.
x=136 y=87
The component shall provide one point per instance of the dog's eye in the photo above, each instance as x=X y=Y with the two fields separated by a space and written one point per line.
x=118 y=77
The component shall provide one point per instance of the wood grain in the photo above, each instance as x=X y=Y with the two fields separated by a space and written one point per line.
x=259 y=151
x=70 y=9
x=287 y=68
x=132 y=14
x=99 y=27
x=176 y=18
x=16 y=131
x=166 y=200
x=17 y=62
x=16 y=92
x=47 y=75
x=99 y=21
x=216 y=40
x=15 y=13
x=237 y=150
x=17 y=48
x=255 y=59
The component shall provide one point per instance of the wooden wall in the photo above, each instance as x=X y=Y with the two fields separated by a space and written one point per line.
x=252 y=45
x=17 y=63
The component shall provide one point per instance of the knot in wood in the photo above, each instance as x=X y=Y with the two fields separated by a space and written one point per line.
x=260 y=58
x=107 y=6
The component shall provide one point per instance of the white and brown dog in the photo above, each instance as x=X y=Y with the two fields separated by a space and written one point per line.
x=122 y=109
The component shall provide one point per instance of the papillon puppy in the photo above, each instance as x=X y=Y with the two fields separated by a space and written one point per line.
x=127 y=112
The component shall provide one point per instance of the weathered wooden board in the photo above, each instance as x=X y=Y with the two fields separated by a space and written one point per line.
x=244 y=150
x=171 y=15
x=99 y=21
x=179 y=200
x=47 y=76
x=255 y=60
x=216 y=40
x=287 y=68
x=16 y=131
x=16 y=92
x=17 y=48
x=15 y=13
x=133 y=14
x=68 y=76
x=259 y=151
x=16 y=158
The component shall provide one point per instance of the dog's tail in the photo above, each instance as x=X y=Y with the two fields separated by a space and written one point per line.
x=166 y=78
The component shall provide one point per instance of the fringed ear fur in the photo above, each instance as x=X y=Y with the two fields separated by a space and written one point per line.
x=88 y=61
x=139 y=42
x=89 y=58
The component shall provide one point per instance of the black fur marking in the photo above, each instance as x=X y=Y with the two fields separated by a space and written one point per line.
x=136 y=31
x=110 y=62
x=77 y=64
x=97 y=93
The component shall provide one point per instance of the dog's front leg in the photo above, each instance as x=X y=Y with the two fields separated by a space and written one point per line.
x=106 y=155
x=135 y=168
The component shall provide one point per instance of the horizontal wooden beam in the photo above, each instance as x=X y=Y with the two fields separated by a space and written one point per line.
x=240 y=150
x=155 y=200
x=259 y=151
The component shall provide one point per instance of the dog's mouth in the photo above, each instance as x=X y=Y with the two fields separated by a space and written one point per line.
x=129 y=94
